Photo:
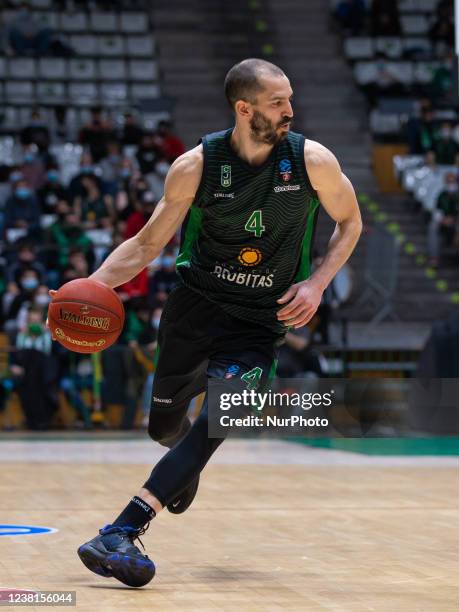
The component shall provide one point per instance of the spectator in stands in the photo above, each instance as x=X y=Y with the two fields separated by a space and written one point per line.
x=171 y=146
x=79 y=263
x=156 y=179
x=443 y=224
x=148 y=153
x=33 y=167
x=163 y=280
x=132 y=132
x=94 y=209
x=67 y=234
x=296 y=358
x=138 y=328
x=110 y=165
x=384 y=18
x=52 y=192
x=144 y=205
x=351 y=15
x=442 y=80
x=442 y=30
x=87 y=167
x=36 y=372
x=36 y=132
x=26 y=259
x=422 y=132
x=446 y=148
x=17 y=299
x=22 y=209
x=97 y=133
x=27 y=35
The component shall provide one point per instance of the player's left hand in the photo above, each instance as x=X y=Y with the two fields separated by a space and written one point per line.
x=303 y=301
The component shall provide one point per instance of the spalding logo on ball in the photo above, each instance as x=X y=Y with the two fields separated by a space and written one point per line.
x=86 y=316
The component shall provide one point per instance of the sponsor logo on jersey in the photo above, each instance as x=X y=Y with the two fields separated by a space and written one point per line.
x=222 y=194
x=162 y=400
x=84 y=319
x=225 y=175
x=247 y=279
x=231 y=371
x=279 y=188
x=285 y=169
x=250 y=256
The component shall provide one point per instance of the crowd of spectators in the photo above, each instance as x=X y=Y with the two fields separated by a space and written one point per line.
x=54 y=231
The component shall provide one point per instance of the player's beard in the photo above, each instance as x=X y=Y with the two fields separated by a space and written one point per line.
x=264 y=132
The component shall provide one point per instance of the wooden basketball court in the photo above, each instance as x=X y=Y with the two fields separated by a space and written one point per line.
x=276 y=526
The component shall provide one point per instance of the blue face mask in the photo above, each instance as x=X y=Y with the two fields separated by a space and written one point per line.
x=29 y=283
x=53 y=176
x=15 y=177
x=125 y=173
x=168 y=261
x=29 y=157
x=23 y=193
x=86 y=169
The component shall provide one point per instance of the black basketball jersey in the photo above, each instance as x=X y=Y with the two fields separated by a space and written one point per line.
x=247 y=237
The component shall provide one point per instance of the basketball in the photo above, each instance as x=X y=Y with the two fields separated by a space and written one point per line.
x=86 y=316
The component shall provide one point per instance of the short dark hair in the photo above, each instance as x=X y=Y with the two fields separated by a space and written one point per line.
x=243 y=80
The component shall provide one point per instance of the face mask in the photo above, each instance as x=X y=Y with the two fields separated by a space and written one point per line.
x=168 y=261
x=42 y=300
x=29 y=284
x=125 y=173
x=162 y=168
x=148 y=196
x=451 y=188
x=446 y=133
x=29 y=157
x=86 y=169
x=35 y=329
x=155 y=322
x=15 y=177
x=114 y=158
x=53 y=176
x=23 y=193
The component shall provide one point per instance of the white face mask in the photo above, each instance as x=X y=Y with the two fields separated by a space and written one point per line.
x=162 y=168
x=451 y=188
x=42 y=300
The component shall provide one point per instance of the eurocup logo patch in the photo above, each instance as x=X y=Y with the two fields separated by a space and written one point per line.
x=285 y=169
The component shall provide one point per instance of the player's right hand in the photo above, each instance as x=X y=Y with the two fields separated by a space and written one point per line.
x=52 y=293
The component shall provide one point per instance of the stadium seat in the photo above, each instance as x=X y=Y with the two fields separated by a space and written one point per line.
x=407 y=6
x=402 y=71
x=2 y=67
x=142 y=70
x=74 y=22
x=391 y=46
x=383 y=123
x=21 y=68
x=356 y=48
x=52 y=68
x=427 y=6
x=134 y=22
x=19 y=91
x=50 y=91
x=82 y=69
x=10 y=117
x=113 y=93
x=414 y=24
x=40 y=4
x=47 y=19
x=83 y=93
x=112 y=70
x=84 y=44
x=144 y=91
x=141 y=46
x=103 y=22
x=111 y=45
x=424 y=71
x=413 y=44
x=365 y=72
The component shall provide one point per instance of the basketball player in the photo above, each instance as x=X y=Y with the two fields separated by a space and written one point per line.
x=247 y=198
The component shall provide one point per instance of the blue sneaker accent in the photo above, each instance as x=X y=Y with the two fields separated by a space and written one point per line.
x=113 y=553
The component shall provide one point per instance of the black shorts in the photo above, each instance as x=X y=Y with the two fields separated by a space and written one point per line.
x=198 y=340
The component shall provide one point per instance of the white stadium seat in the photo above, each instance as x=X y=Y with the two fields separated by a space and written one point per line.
x=142 y=46
x=143 y=70
x=360 y=47
x=427 y=6
x=402 y=71
x=424 y=71
x=52 y=68
x=83 y=93
x=51 y=91
x=113 y=93
x=134 y=22
x=417 y=43
x=21 y=68
x=414 y=24
x=111 y=45
x=112 y=70
x=84 y=44
x=82 y=69
x=40 y=4
x=143 y=91
x=407 y=6
x=365 y=72
x=103 y=22
x=11 y=117
x=391 y=46
x=74 y=22
x=47 y=19
x=19 y=91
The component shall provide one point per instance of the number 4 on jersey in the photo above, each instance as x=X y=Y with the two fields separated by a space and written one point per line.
x=255 y=224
